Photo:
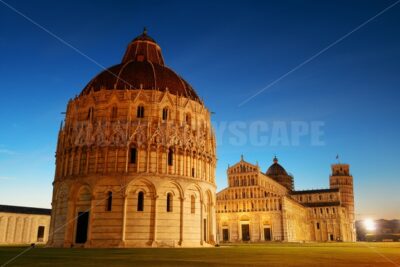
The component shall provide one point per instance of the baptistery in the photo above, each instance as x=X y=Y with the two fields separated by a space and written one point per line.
x=135 y=159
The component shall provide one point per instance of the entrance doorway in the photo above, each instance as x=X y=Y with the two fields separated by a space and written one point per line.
x=245 y=232
x=225 y=235
x=82 y=227
x=267 y=234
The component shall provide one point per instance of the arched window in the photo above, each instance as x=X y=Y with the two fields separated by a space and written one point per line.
x=193 y=173
x=170 y=157
x=140 y=201
x=165 y=114
x=169 y=202
x=109 y=201
x=114 y=113
x=140 y=112
x=192 y=204
x=133 y=155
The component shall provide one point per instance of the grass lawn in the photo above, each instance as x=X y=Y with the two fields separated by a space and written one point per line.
x=271 y=254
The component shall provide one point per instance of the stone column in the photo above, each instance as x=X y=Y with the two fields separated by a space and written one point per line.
x=285 y=230
x=137 y=159
x=90 y=224
x=201 y=223
x=185 y=173
x=182 y=221
x=239 y=231
x=148 y=159
x=154 y=242
x=212 y=224
x=71 y=222
x=157 y=160
x=87 y=160
x=123 y=227
x=72 y=162
x=260 y=228
x=126 y=160
x=116 y=160
x=166 y=153
x=78 y=171
x=176 y=161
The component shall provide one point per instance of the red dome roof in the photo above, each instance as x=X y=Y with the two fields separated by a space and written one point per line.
x=142 y=67
x=276 y=169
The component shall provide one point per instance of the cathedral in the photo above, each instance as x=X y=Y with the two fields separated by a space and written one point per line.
x=135 y=160
x=258 y=206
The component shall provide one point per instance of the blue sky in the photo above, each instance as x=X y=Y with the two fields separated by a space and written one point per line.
x=228 y=51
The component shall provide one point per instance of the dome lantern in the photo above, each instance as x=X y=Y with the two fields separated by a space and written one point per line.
x=144 y=48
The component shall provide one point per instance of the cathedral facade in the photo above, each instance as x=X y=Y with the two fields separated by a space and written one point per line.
x=135 y=160
x=258 y=206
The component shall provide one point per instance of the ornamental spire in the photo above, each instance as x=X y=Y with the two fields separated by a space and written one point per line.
x=143 y=48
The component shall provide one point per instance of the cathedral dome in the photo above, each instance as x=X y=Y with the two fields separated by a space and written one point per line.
x=276 y=169
x=142 y=67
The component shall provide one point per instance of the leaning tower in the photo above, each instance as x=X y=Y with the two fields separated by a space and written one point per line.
x=343 y=180
x=135 y=159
